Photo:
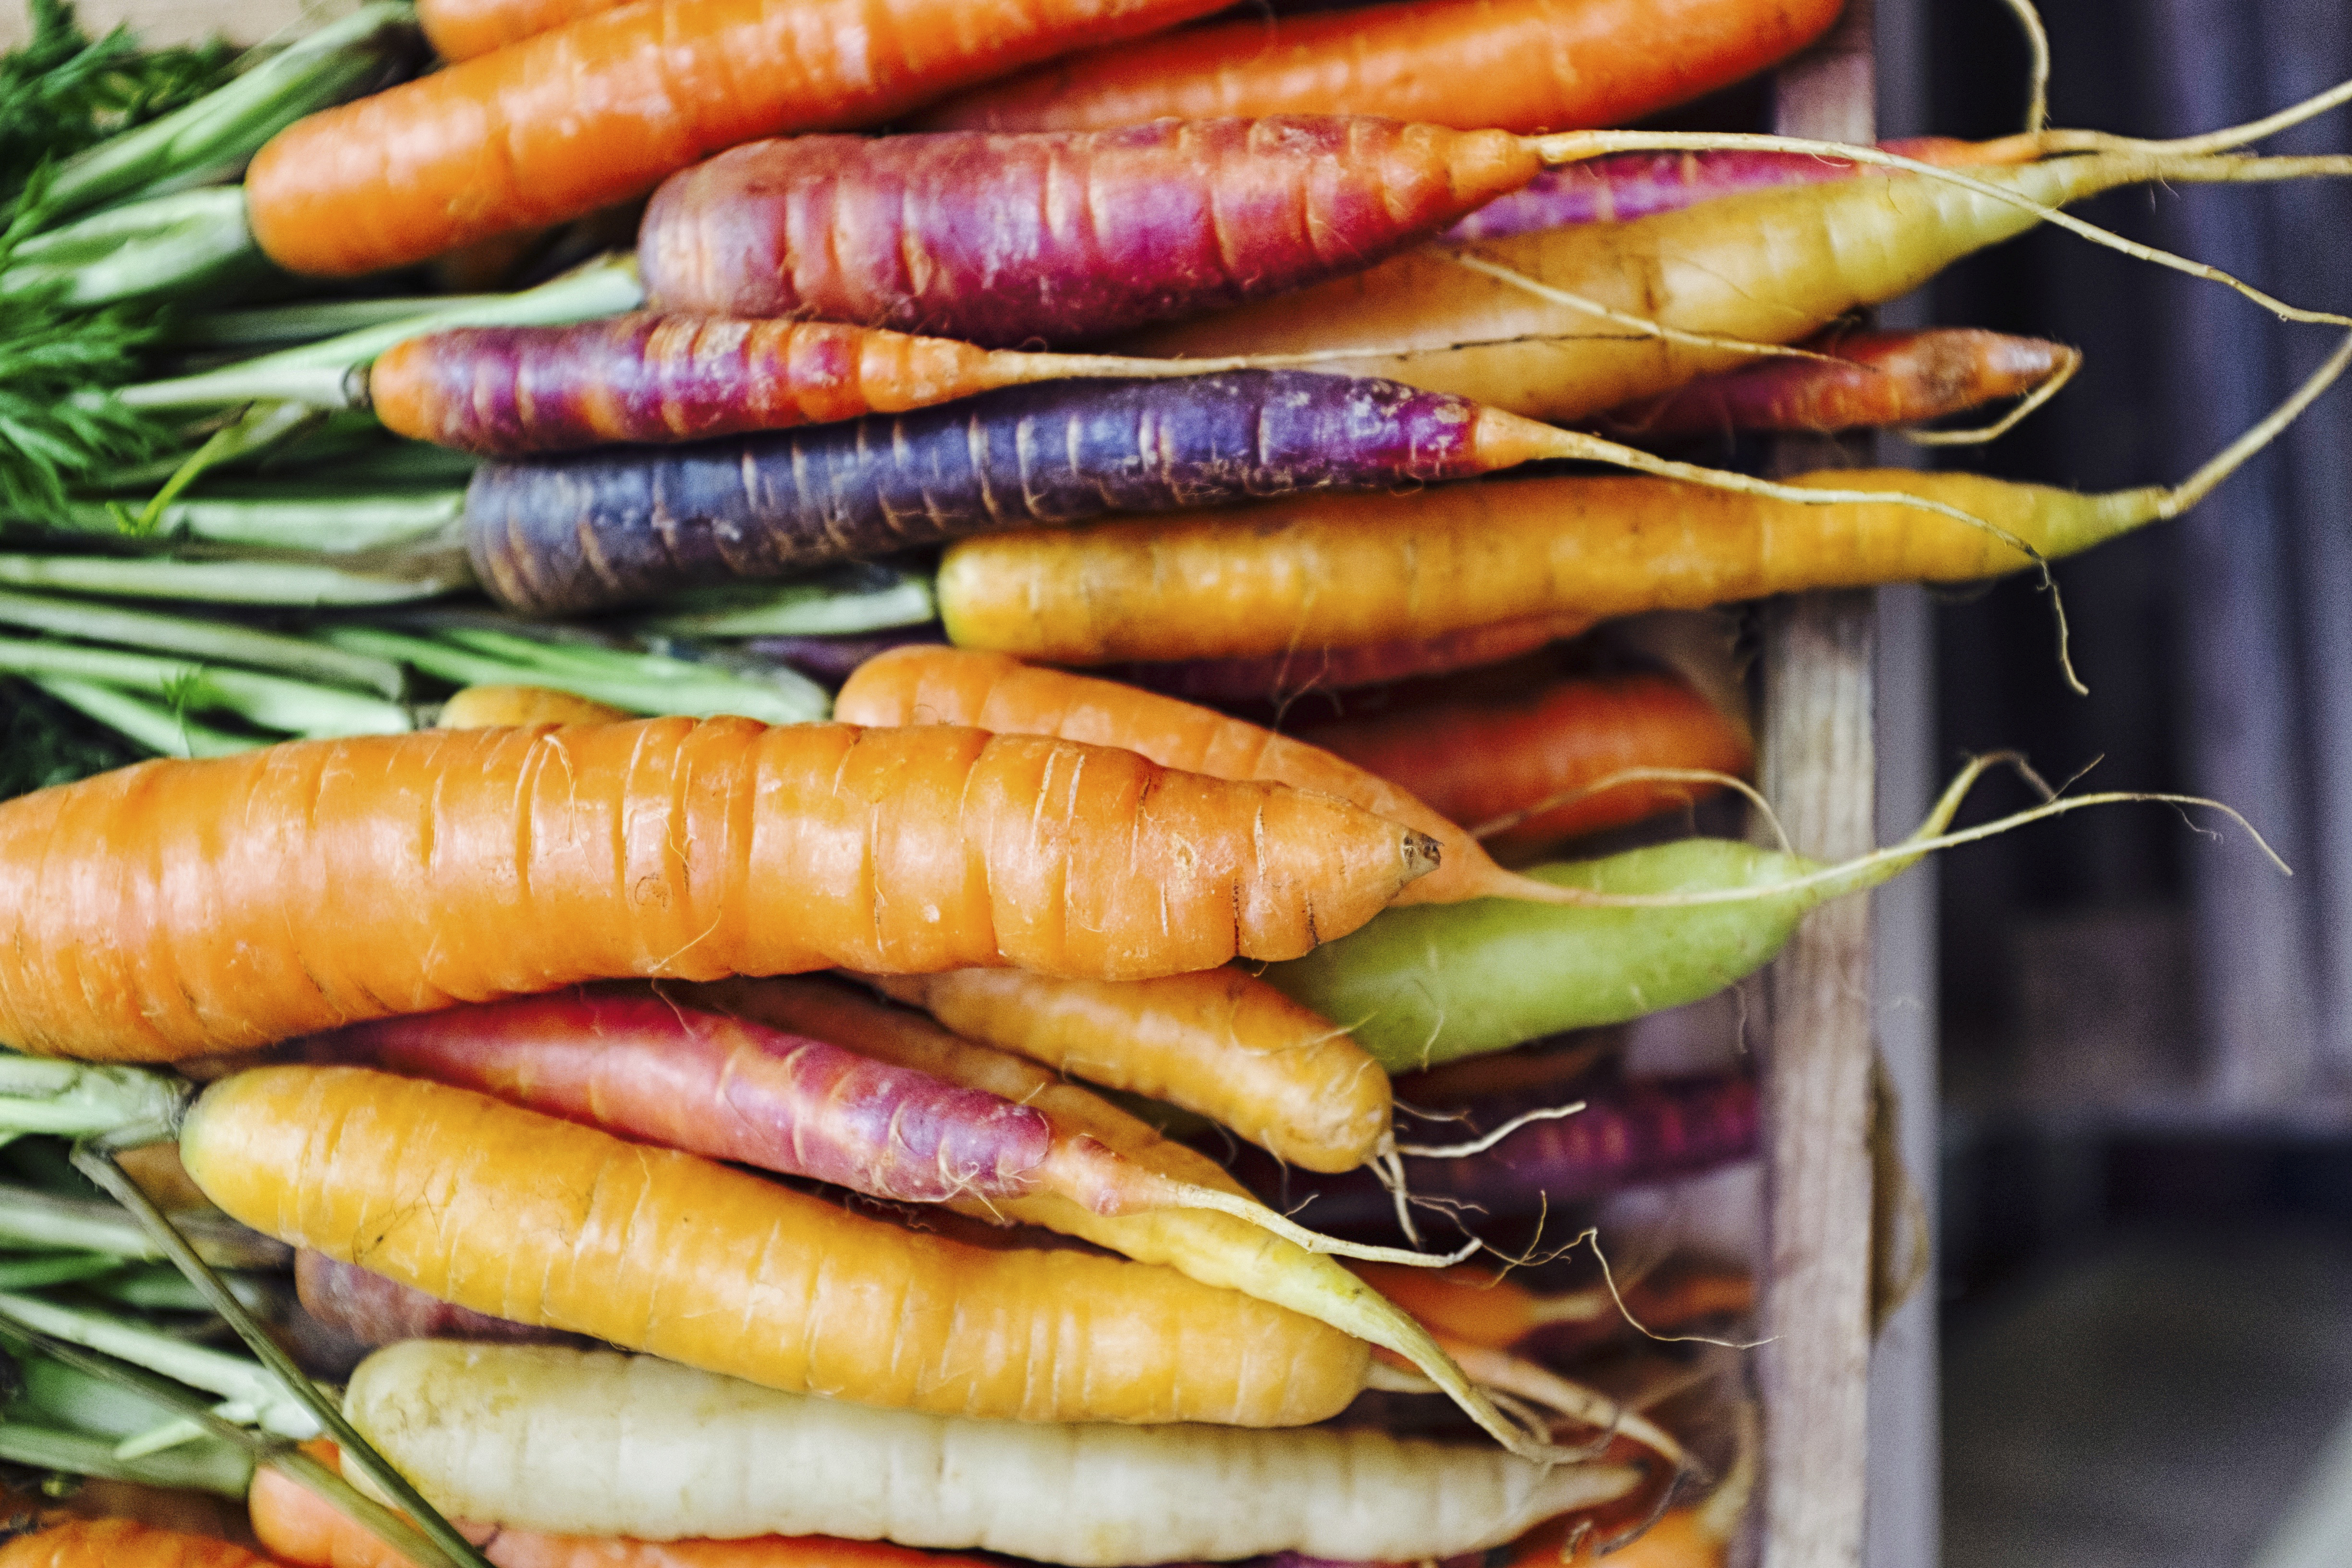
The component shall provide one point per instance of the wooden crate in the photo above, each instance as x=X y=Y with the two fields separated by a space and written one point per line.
x=1818 y=769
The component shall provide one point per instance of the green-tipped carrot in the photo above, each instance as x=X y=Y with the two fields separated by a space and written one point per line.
x=1666 y=925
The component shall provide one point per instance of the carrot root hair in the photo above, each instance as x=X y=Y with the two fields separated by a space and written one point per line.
x=2068 y=364
x=1624 y=776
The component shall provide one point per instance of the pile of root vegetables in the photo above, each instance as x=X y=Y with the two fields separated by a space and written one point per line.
x=874 y=846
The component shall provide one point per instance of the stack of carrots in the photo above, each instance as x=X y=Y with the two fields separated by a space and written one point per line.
x=663 y=1092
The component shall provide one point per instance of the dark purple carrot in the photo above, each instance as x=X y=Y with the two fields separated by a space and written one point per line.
x=637 y=1064
x=1628 y=1134
x=1006 y=240
x=1279 y=677
x=566 y=534
x=1870 y=379
x=652 y=377
x=375 y=1311
x=1636 y=184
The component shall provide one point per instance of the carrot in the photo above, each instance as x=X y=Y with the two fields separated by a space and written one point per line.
x=972 y=236
x=483 y=706
x=460 y=29
x=217 y=905
x=644 y=1068
x=1772 y=267
x=564 y=534
x=119 y=1543
x=950 y=686
x=1519 y=64
x=540 y=1221
x=1486 y=758
x=1223 y=1043
x=1366 y=569
x=600 y=1444
x=600 y=109
x=1876 y=378
x=1217 y=1250
x=304 y=1528
x=664 y=378
x=1638 y=184
x=1278 y=677
x=366 y=1307
x=1628 y=1135
x=1670 y=923
x=1476 y=1306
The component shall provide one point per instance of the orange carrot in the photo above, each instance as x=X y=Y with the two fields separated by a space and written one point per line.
x=1479 y=1307
x=1521 y=64
x=488 y=707
x=919 y=685
x=304 y=1528
x=1478 y=758
x=1876 y=378
x=600 y=109
x=182 y=907
x=119 y=1543
x=460 y=29
x=527 y=1217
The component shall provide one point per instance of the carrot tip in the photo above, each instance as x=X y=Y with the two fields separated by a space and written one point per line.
x=1420 y=854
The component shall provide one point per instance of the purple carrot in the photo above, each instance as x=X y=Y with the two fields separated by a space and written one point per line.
x=375 y=1311
x=1011 y=240
x=831 y=660
x=1629 y=1135
x=1638 y=184
x=637 y=1065
x=562 y=535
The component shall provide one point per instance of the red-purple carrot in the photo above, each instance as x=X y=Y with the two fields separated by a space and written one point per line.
x=1279 y=677
x=375 y=1311
x=1870 y=379
x=1628 y=1134
x=638 y=1064
x=655 y=377
x=1005 y=240
x=1636 y=184
x=561 y=535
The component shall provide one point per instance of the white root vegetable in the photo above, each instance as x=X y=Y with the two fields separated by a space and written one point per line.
x=589 y=1442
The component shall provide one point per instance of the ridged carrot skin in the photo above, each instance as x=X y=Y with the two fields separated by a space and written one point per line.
x=182 y=907
x=1771 y=267
x=1370 y=568
x=1278 y=678
x=119 y=1543
x=1476 y=759
x=654 y=377
x=600 y=109
x=374 y=1310
x=1522 y=65
x=1877 y=378
x=562 y=535
x=989 y=692
x=632 y=1445
x=1628 y=186
x=644 y=1068
x=1004 y=240
x=1223 y=1044
x=537 y=1220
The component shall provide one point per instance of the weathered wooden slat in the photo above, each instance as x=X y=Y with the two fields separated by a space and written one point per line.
x=1813 y=1370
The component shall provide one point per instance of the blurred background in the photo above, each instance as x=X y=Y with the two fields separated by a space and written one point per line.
x=2144 y=1148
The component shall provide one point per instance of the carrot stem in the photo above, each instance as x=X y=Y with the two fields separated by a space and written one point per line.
x=101 y=1166
x=858 y=598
